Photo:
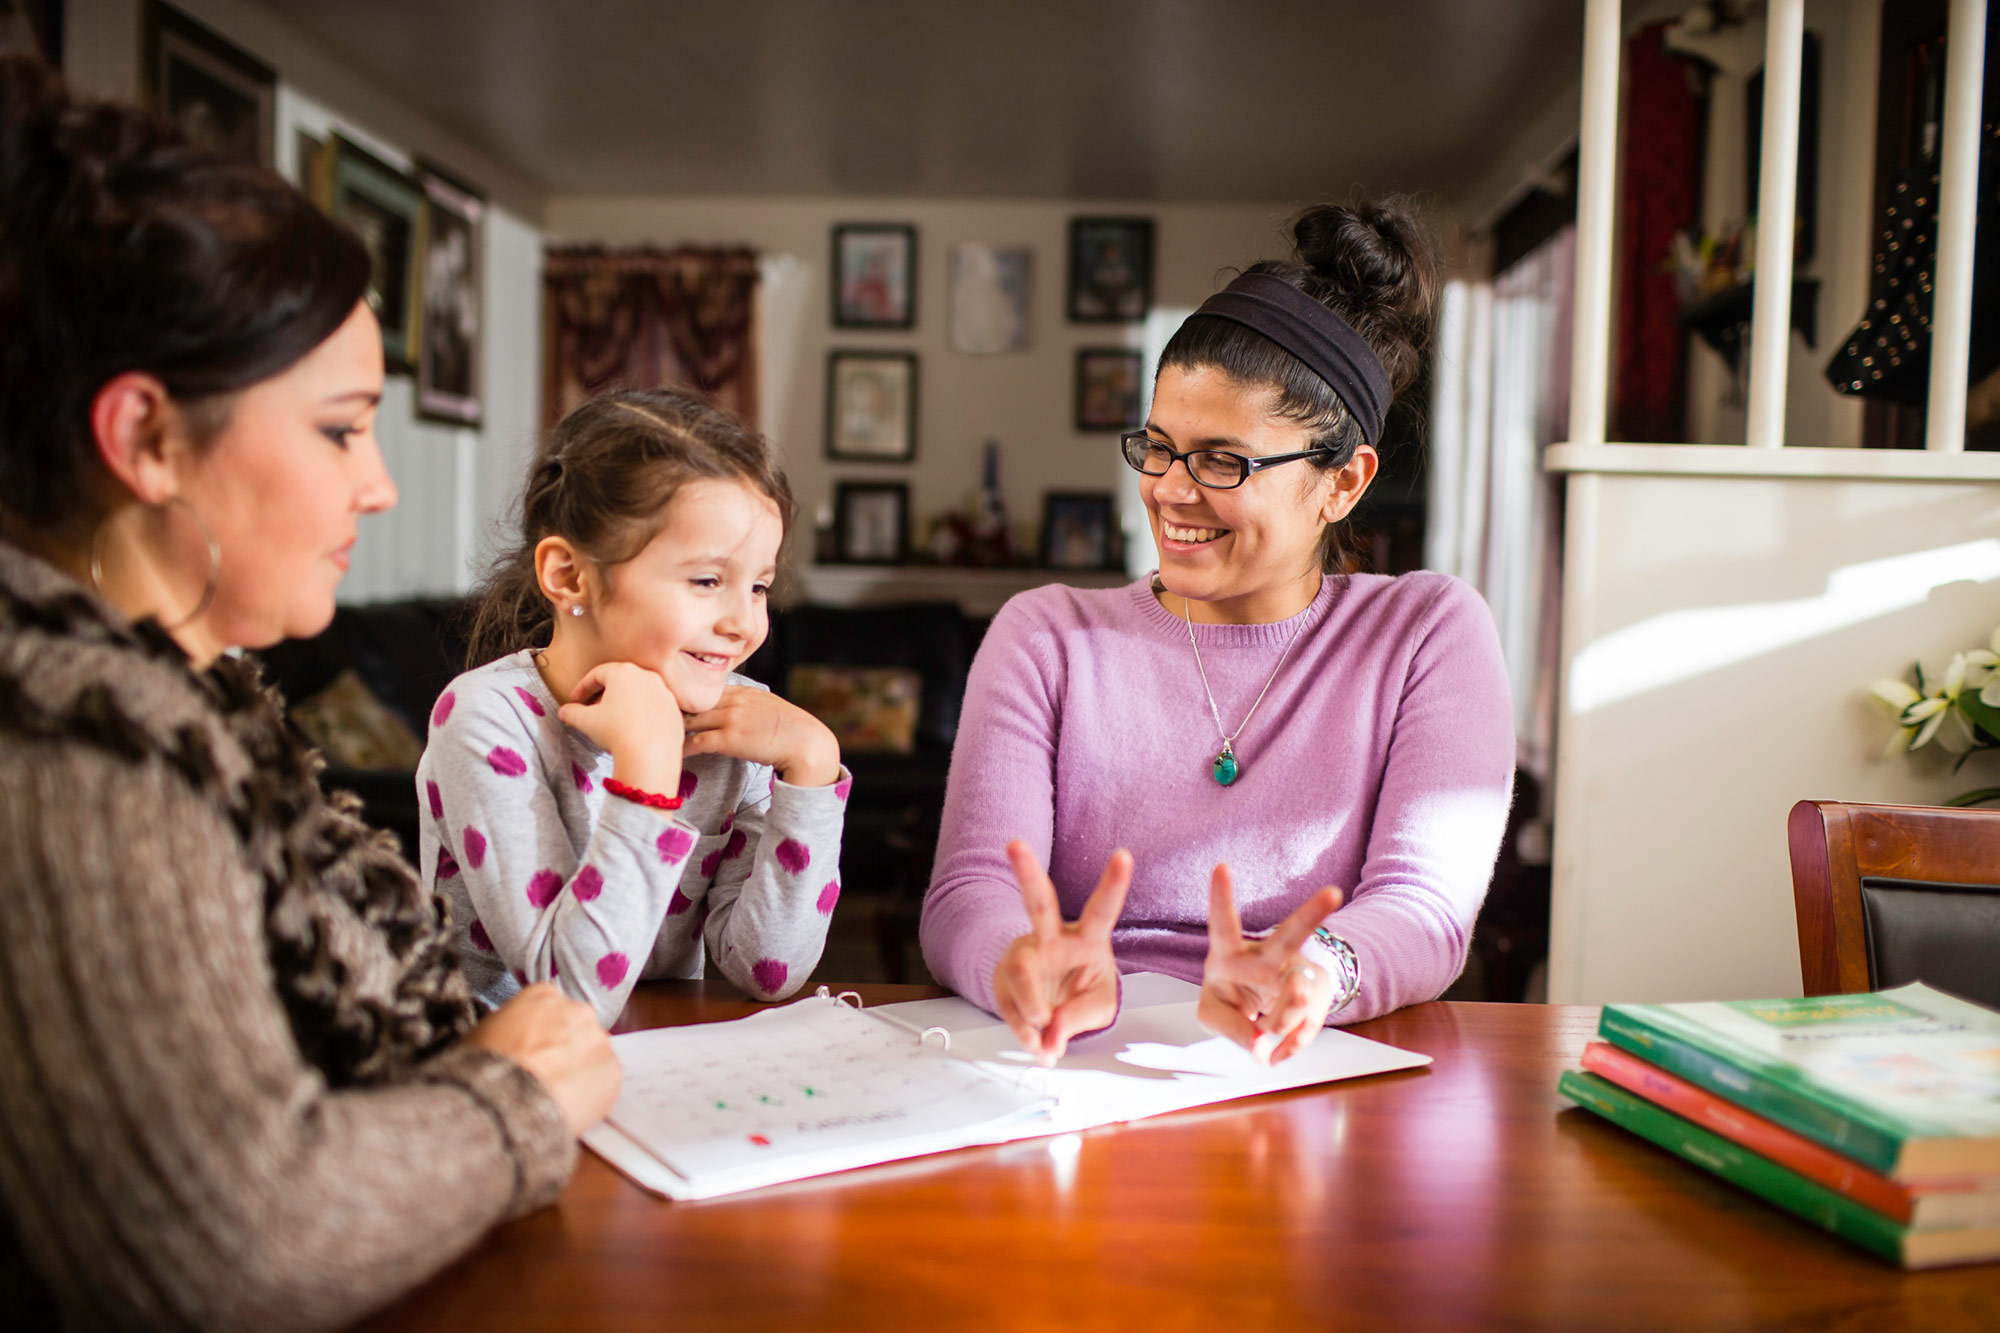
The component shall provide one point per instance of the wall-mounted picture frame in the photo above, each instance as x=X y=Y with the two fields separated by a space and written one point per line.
x=214 y=92
x=450 y=321
x=1080 y=530
x=871 y=406
x=35 y=26
x=990 y=287
x=874 y=275
x=386 y=207
x=1109 y=385
x=871 y=522
x=1110 y=270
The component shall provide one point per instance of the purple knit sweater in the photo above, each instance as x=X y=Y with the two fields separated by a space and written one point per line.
x=1380 y=763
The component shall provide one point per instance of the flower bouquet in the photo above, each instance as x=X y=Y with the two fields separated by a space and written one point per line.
x=1960 y=710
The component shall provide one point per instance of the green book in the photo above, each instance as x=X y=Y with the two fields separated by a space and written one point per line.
x=1779 y=1184
x=1906 y=1081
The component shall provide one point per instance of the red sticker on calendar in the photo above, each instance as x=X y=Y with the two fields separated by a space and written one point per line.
x=760 y=1140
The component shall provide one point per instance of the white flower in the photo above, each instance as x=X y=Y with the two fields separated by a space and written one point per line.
x=1919 y=713
x=1957 y=735
x=1891 y=697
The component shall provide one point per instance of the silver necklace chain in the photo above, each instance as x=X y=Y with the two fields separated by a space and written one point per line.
x=1229 y=740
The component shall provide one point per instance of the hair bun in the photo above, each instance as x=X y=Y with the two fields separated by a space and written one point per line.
x=1375 y=263
x=1374 y=256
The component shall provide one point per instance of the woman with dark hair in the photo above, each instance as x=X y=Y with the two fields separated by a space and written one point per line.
x=1272 y=737
x=242 y=1082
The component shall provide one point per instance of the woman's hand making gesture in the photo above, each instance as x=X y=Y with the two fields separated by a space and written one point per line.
x=1263 y=994
x=1061 y=979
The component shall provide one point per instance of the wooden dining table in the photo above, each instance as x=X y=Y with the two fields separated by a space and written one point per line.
x=1464 y=1195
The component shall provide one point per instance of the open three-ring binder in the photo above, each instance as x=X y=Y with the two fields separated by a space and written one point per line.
x=823 y=1085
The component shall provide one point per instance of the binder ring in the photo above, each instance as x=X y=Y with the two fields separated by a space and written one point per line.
x=924 y=1037
x=843 y=998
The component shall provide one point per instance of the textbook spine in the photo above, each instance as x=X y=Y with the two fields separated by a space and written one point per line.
x=1816 y=1163
x=1777 y=1093
x=1739 y=1166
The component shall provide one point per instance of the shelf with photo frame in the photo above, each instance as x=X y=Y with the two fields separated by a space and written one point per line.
x=978 y=592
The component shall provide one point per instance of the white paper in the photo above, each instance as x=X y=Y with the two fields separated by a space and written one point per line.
x=810 y=1087
x=697 y=1099
x=1155 y=1059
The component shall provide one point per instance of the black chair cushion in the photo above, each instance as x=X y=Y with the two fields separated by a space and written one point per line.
x=1944 y=935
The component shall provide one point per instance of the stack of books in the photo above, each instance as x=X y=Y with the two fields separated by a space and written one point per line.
x=1874 y=1116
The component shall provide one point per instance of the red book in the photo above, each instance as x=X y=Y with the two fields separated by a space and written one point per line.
x=1926 y=1205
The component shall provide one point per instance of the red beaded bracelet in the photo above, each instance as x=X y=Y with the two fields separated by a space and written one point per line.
x=650 y=799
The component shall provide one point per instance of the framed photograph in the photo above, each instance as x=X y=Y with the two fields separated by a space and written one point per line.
x=989 y=297
x=1108 y=384
x=386 y=207
x=35 y=26
x=448 y=324
x=1110 y=269
x=871 y=406
x=215 y=93
x=1079 y=530
x=874 y=276
x=871 y=522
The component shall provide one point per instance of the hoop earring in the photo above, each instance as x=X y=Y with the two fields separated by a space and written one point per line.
x=208 y=588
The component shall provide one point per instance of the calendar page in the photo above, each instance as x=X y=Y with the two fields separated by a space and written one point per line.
x=813 y=1086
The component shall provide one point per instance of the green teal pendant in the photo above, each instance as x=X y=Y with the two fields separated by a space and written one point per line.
x=1226 y=767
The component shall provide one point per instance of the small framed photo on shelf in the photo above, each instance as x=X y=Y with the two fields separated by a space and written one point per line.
x=218 y=95
x=1107 y=388
x=871 y=406
x=1080 y=530
x=448 y=327
x=871 y=522
x=386 y=207
x=989 y=297
x=1110 y=269
x=874 y=276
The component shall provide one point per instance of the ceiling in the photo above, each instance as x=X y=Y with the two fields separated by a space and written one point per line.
x=1216 y=100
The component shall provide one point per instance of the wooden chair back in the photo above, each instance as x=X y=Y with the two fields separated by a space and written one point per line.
x=1835 y=846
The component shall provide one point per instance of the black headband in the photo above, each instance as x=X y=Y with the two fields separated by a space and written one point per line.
x=1322 y=340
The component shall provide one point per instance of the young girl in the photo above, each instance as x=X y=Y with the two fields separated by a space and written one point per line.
x=605 y=797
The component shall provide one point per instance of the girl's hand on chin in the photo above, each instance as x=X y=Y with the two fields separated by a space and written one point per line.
x=756 y=725
x=629 y=711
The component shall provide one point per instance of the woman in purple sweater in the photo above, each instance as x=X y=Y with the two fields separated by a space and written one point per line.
x=1292 y=779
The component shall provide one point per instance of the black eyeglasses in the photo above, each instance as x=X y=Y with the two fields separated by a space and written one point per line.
x=1217 y=469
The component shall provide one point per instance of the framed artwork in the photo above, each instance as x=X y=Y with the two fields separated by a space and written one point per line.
x=386 y=207
x=449 y=323
x=871 y=406
x=33 y=25
x=1079 y=530
x=218 y=95
x=871 y=522
x=989 y=297
x=313 y=163
x=1108 y=382
x=874 y=276
x=1110 y=269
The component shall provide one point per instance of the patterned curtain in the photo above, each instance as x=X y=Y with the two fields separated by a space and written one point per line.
x=646 y=318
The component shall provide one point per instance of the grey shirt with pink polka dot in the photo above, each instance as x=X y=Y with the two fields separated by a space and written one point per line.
x=551 y=879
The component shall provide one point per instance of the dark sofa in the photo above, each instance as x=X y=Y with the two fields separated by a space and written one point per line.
x=406 y=652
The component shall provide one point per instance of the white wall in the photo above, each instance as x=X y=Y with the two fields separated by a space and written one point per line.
x=1023 y=399
x=455 y=483
x=1720 y=635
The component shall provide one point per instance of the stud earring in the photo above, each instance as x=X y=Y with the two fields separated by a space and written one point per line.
x=576 y=610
